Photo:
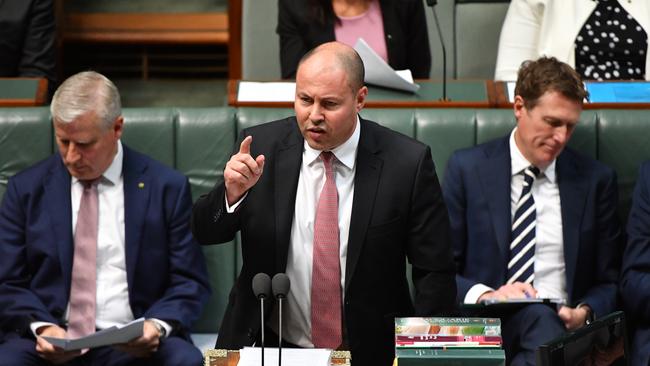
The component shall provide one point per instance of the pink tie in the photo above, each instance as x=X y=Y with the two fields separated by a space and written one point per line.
x=326 y=271
x=83 y=290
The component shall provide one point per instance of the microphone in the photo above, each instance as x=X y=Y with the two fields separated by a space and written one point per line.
x=432 y=4
x=262 y=290
x=280 y=284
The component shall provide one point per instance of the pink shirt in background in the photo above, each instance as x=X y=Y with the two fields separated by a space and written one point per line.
x=369 y=26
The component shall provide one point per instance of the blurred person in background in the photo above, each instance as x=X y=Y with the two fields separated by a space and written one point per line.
x=27 y=40
x=602 y=40
x=395 y=29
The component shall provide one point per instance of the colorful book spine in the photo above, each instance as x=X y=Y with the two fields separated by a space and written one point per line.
x=447 y=326
x=465 y=357
x=447 y=341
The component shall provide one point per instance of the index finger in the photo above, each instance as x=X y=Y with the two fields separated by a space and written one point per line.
x=245 y=146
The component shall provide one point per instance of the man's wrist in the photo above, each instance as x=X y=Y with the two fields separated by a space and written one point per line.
x=162 y=331
x=589 y=318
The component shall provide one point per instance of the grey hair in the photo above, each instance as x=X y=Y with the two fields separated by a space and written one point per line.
x=83 y=92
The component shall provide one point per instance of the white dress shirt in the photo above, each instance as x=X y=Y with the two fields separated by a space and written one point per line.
x=297 y=307
x=112 y=300
x=550 y=272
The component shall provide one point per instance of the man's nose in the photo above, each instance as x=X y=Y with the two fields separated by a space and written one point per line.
x=72 y=153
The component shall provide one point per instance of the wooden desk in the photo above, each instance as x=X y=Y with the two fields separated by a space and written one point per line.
x=462 y=94
x=222 y=357
x=22 y=92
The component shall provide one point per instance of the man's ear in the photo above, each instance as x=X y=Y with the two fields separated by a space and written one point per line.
x=118 y=126
x=361 y=98
x=518 y=106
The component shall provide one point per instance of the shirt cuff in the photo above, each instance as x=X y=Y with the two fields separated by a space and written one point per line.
x=233 y=208
x=472 y=296
x=164 y=324
x=35 y=325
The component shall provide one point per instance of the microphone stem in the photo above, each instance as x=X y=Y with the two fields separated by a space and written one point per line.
x=444 y=54
x=262 y=326
x=280 y=331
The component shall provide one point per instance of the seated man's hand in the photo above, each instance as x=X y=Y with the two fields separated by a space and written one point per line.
x=144 y=345
x=573 y=318
x=50 y=352
x=516 y=290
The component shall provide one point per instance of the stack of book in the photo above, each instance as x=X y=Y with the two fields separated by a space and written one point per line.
x=444 y=341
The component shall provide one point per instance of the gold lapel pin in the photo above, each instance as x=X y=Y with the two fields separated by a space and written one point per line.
x=140 y=185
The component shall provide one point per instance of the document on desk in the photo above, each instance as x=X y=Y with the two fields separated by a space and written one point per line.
x=533 y=300
x=250 y=356
x=618 y=92
x=105 y=337
x=250 y=91
x=379 y=73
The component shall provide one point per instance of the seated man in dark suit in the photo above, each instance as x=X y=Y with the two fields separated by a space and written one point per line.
x=532 y=218
x=635 y=274
x=337 y=202
x=28 y=40
x=97 y=236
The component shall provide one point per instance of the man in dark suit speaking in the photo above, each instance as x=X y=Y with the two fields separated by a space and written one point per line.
x=95 y=237
x=337 y=202
x=532 y=218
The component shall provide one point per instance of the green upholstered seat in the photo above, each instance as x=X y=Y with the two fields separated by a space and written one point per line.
x=199 y=141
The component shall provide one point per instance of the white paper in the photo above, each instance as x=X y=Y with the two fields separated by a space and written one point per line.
x=250 y=356
x=378 y=72
x=250 y=91
x=105 y=337
x=510 y=87
x=534 y=300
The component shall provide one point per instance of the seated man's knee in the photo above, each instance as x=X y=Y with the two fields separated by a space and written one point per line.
x=19 y=351
x=175 y=351
x=542 y=319
x=540 y=313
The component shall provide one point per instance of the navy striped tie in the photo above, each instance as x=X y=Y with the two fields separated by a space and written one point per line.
x=522 y=247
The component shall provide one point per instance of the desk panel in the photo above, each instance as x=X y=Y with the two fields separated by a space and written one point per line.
x=22 y=92
x=461 y=94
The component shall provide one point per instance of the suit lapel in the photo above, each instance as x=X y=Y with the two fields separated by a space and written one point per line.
x=137 y=190
x=288 y=160
x=494 y=175
x=572 y=200
x=59 y=207
x=366 y=179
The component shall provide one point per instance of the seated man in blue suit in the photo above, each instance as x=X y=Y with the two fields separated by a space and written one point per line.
x=533 y=218
x=635 y=279
x=97 y=236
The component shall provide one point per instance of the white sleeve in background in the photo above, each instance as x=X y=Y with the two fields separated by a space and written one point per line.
x=519 y=40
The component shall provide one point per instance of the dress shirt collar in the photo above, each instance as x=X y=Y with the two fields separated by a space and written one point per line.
x=114 y=171
x=346 y=153
x=518 y=163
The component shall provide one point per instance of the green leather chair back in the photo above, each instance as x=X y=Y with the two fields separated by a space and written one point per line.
x=25 y=138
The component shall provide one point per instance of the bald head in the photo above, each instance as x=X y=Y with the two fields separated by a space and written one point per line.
x=335 y=55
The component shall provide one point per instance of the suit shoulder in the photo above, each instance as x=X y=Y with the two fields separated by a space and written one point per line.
x=391 y=138
x=472 y=154
x=36 y=172
x=588 y=164
x=161 y=170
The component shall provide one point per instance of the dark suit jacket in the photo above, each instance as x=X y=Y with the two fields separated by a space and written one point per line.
x=405 y=31
x=635 y=279
x=477 y=194
x=166 y=270
x=27 y=36
x=397 y=212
